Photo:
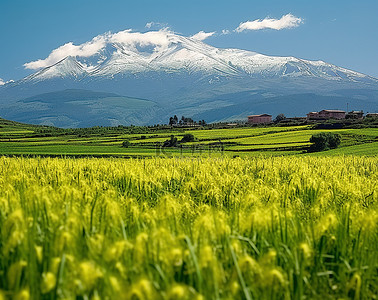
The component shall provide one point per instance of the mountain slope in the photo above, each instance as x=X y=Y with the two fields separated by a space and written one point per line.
x=81 y=108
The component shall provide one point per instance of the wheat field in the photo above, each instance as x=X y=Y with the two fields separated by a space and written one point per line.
x=189 y=228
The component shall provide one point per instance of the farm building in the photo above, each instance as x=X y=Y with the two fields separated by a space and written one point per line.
x=372 y=115
x=259 y=119
x=313 y=115
x=326 y=114
x=355 y=114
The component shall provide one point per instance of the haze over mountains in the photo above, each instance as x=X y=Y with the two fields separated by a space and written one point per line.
x=143 y=78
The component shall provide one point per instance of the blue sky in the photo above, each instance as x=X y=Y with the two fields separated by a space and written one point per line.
x=341 y=32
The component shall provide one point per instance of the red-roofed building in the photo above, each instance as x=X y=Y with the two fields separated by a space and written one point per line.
x=326 y=114
x=259 y=119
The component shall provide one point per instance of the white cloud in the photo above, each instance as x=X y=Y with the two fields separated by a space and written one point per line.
x=128 y=38
x=286 y=21
x=159 y=39
x=202 y=35
x=150 y=25
x=84 y=50
x=225 y=31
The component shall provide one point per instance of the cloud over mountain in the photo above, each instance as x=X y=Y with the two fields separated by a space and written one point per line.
x=157 y=39
x=286 y=21
x=69 y=49
x=202 y=35
x=150 y=25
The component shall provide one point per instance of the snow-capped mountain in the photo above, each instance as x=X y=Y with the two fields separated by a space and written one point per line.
x=172 y=53
x=184 y=75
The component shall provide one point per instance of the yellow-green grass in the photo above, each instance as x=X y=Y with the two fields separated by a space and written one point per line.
x=268 y=146
x=362 y=131
x=297 y=136
x=15 y=131
x=367 y=149
x=61 y=149
x=194 y=228
x=239 y=132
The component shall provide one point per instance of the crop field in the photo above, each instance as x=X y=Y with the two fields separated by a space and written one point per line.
x=23 y=139
x=369 y=149
x=189 y=228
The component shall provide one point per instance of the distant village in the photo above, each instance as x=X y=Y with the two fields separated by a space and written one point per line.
x=325 y=114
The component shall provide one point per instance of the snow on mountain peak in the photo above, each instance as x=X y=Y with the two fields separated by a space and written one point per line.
x=125 y=39
x=128 y=52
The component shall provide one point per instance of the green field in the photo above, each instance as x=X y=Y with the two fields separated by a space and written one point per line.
x=22 y=139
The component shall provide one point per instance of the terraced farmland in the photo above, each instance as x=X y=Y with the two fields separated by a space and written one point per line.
x=19 y=139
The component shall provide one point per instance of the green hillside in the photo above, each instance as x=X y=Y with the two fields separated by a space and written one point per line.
x=82 y=108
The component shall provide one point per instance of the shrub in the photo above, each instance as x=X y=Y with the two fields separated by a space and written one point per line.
x=324 y=141
x=126 y=144
x=188 y=138
x=172 y=142
x=279 y=118
x=334 y=140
